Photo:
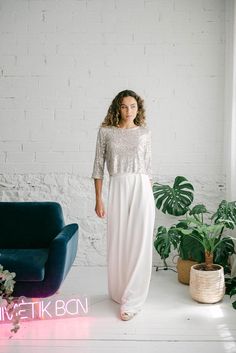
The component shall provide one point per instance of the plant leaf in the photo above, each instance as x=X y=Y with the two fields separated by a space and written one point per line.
x=174 y=200
x=232 y=292
x=165 y=239
x=226 y=214
x=198 y=209
x=191 y=249
x=224 y=248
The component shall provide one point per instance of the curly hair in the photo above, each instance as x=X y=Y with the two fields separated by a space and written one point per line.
x=113 y=116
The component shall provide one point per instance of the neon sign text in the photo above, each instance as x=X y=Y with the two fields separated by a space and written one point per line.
x=33 y=309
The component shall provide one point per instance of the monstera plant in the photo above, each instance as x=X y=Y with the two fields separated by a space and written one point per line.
x=195 y=236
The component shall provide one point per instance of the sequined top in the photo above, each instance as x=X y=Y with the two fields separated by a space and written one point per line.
x=123 y=150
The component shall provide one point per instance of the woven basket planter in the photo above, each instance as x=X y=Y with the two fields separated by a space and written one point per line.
x=207 y=286
x=183 y=268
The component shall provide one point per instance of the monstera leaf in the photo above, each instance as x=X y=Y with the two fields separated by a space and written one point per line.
x=223 y=251
x=226 y=214
x=198 y=209
x=165 y=240
x=190 y=248
x=174 y=200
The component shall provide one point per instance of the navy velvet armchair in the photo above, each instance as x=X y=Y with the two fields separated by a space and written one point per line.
x=36 y=244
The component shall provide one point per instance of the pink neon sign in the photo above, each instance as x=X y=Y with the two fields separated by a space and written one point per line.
x=33 y=309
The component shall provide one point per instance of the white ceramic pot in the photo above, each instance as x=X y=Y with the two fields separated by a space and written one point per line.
x=207 y=286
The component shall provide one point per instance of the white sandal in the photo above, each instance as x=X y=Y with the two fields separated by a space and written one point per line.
x=125 y=316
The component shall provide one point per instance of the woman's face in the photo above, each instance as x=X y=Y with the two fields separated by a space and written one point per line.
x=128 y=109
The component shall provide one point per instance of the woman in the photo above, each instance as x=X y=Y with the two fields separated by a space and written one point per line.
x=124 y=143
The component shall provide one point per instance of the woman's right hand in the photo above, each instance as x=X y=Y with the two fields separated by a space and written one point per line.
x=99 y=209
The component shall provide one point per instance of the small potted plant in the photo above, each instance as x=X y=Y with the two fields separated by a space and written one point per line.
x=193 y=237
x=207 y=279
x=6 y=299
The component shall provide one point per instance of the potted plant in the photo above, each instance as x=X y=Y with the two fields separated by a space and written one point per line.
x=7 y=301
x=207 y=279
x=189 y=251
x=193 y=237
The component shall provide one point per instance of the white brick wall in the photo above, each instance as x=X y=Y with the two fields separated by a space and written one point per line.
x=75 y=194
x=62 y=62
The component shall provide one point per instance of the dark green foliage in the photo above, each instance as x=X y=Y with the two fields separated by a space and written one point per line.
x=191 y=249
x=230 y=284
x=175 y=200
x=165 y=240
x=192 y=236
x=226 y=214
x=198 y=209
x=223 y=251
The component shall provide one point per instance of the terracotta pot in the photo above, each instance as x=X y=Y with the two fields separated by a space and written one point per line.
x=183 y=268
x=207 y=286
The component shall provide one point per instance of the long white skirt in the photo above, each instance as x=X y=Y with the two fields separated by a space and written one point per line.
x=130 y=225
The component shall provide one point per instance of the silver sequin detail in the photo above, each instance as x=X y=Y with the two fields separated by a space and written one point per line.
x=123 y=151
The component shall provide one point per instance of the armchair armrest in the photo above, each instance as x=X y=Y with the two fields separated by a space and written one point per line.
x=62 y=252
x=65 y=234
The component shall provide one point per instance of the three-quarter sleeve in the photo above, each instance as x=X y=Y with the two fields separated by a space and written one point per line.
x=148 y=155
x=99 y=160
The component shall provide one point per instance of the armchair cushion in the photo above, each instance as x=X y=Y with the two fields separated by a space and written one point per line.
x=28 y=264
